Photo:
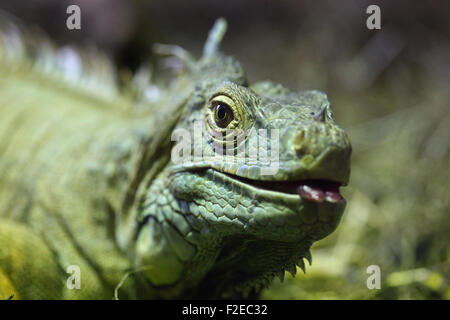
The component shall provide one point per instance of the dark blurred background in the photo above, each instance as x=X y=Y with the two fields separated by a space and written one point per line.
x=389 y=90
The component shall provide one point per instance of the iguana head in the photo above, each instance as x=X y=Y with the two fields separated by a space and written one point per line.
x=253 y=181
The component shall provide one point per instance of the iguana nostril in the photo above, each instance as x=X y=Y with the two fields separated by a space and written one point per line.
x=320 y=115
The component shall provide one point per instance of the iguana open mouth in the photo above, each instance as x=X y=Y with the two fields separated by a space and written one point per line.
x=314 y=190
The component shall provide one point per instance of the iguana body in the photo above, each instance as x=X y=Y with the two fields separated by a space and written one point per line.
x=87 y=181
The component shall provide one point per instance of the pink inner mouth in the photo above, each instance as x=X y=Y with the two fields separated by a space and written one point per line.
x=318 y=191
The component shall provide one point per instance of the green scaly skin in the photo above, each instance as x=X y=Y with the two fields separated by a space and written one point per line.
x=85 y=181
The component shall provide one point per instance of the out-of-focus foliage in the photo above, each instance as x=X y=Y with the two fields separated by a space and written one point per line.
x=389 y=90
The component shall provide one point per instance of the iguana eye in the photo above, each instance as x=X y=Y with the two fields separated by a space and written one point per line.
x=223 y=114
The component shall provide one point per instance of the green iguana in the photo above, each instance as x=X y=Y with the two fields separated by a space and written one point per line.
x=88 y=182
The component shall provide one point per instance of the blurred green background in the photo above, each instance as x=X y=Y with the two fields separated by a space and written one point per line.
x=389 y=90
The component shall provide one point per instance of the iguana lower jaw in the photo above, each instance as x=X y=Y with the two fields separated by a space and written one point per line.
x=227 y=251
x=255 y=210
